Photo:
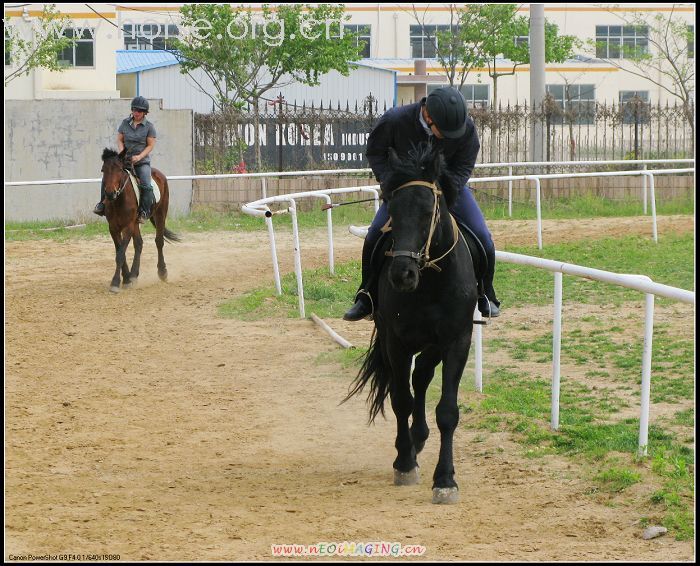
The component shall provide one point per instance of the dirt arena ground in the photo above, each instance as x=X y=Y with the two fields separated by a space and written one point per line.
x=141 y=424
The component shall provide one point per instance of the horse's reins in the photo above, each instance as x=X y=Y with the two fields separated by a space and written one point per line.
x=423 y=256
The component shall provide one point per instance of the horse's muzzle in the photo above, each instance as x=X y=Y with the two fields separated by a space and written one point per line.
x=404 y=274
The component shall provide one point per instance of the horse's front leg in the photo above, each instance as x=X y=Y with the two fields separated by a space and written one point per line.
x=445 y=488
x=422 y=376
x=405 y=465
x=120 y=245
x=138 y=246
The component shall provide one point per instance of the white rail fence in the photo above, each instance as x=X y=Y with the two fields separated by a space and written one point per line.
x=640 y=283
x=510 y=177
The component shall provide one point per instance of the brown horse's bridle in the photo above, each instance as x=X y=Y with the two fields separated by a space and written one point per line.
x=422 y=257
x=115 y=195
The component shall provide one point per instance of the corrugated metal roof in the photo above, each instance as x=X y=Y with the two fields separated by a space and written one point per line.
x=134 y=60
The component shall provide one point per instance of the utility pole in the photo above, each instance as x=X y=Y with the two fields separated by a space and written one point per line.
x=537 y=81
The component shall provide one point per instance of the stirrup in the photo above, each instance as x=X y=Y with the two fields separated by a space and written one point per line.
x=358 y=311
x=99 y=209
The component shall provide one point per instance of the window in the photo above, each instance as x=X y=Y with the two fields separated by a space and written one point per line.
x=364 y=36
x=82 y=52
x=149 y=36
x=575 y=102
x=522 y=40
x=621 y=42
x=424 y=39
x=634 y=105
x=476 y=96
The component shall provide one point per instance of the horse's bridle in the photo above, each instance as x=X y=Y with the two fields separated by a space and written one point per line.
x=116 y=194
x=422 y=257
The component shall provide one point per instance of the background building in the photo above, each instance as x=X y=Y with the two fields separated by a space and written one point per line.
x=395 y=37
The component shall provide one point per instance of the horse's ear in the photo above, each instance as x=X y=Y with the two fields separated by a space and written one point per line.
x=394 y=161
x=122 y=155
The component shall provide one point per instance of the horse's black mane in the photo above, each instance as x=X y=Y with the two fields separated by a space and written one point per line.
x=109 y=154
x=424 y=162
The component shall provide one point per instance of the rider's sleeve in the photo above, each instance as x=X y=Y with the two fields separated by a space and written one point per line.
x=378 y=143
x=461 y=164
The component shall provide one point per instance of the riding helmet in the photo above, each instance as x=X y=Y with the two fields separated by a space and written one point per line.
x=448 y=111
x=139 y=103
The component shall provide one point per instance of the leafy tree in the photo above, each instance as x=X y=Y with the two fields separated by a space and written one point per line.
x=664 y=58
x=502 y=28
x=37 y=46
x=246 y=55
x=458 y=50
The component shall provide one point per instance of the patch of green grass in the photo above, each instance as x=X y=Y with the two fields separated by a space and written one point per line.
x=669 y=261
x=200 y=220
x=576 y=207
x=615 y=480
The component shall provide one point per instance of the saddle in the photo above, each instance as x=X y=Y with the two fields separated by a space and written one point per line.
x=477 y=252
x=135 y=184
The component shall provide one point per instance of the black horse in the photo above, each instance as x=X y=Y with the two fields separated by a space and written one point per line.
x=426 y=297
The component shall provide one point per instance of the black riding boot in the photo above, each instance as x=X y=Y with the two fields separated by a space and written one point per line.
x=364 y=304
x=488 y=303
x=100 y=206
x=147 y=202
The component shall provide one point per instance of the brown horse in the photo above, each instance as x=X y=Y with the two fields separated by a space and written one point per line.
x=121 y=210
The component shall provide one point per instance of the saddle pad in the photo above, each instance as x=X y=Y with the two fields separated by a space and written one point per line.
x=135 y=184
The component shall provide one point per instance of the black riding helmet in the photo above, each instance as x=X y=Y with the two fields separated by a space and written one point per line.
x=139 y=103
x=448 y=111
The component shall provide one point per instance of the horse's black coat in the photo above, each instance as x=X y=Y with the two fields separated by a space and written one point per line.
x=428 y=312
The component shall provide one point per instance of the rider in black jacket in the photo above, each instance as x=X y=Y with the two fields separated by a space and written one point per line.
x=442 y=119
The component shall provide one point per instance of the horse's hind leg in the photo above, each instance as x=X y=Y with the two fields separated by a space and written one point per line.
x=422 y=376
x=160 y=230
x=445 y=488
x=138 y=246
x=405 y=465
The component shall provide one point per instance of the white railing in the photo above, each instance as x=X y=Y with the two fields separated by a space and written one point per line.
x=248 y=208
x=641 y=283
x=260 y=208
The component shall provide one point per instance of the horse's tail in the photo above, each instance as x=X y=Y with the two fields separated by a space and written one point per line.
x=373 y=370
x=170 y=236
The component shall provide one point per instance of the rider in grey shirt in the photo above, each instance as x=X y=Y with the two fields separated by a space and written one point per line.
x=138 y=136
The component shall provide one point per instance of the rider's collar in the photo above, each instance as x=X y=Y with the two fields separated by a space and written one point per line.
x=423 y=123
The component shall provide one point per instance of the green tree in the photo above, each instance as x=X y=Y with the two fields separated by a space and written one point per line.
x=457 y=49
x=37 y=45
x=246 y=54
x=506 y=36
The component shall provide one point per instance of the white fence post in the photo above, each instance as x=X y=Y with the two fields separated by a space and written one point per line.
x=646 y=374
x=297 y=257
x=556 y=349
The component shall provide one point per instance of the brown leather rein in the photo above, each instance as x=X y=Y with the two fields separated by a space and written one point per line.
x=422 y=257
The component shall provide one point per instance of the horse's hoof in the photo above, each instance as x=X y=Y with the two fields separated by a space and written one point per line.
x=114 y=289
x=127 y=285
x=163 y=276
x=445 y=495
x=406 y=478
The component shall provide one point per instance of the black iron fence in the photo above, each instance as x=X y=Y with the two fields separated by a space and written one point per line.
x=295 y=137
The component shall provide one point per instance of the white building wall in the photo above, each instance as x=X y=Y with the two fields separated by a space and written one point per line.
x=98 y=81
x=181 y=91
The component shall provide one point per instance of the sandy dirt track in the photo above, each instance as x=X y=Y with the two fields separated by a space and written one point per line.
x=144 y=425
